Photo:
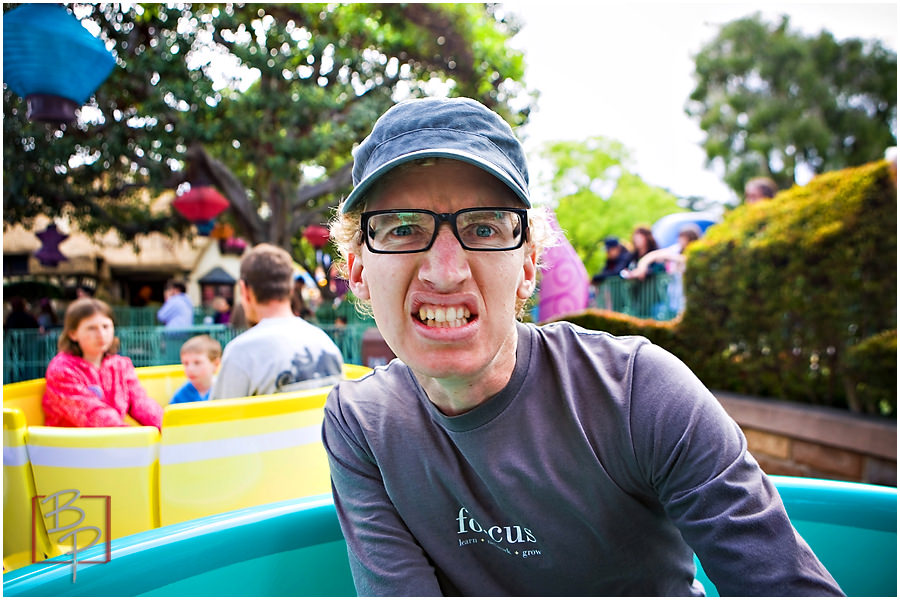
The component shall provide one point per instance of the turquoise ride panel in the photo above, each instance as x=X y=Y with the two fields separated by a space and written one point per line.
x=851 y=527
x=288 y=548
x=295 y=548
x=331 y=577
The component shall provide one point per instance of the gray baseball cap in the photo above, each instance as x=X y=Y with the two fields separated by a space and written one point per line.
x=458 y=128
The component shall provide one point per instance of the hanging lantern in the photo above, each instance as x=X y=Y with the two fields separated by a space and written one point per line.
x=205 y=227
x=52 y=61
x=49 y=254
x=222 y=231
x=232 y=245
x=317 y=235
x=200 y=205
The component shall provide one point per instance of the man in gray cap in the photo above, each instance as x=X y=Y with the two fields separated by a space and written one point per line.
x=498 y=458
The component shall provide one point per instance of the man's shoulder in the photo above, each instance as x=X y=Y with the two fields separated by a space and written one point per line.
x=585 y=351
x=248 y=337
x=567 y=332
x=384 y=386
x=279 y=327
x=283 y=332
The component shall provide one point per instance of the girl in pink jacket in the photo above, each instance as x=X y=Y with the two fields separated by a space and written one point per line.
x=88 y=383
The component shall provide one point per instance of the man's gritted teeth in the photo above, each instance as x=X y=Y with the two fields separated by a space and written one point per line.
x=444 y=316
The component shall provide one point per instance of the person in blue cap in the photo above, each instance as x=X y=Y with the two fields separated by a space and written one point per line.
x=617 y=258
x=496 y=458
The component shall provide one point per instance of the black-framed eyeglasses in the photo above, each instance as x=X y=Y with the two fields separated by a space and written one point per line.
x=404 y=231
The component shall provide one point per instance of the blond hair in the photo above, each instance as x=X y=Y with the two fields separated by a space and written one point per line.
x=203 y=344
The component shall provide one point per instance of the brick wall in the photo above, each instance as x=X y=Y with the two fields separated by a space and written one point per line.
x=809 y=441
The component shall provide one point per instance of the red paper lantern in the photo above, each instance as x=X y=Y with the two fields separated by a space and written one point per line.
x=200 y=203
x=317 y=235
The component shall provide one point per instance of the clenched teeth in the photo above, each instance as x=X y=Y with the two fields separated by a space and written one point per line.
x=444 y=316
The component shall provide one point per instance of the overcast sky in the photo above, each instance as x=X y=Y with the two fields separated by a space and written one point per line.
x=624 y=70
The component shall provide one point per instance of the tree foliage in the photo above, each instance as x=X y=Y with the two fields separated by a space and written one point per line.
x=177 y=108
x=599 y=197
x=772 y=100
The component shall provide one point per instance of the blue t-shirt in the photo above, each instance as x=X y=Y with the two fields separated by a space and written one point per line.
x=188 y=393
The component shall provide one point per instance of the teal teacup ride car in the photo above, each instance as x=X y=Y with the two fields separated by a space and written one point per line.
x=295 y=548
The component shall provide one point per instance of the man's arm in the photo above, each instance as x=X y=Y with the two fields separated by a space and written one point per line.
x=166 y=311
x=384 y=557
x=695 y=457
x=655 y=256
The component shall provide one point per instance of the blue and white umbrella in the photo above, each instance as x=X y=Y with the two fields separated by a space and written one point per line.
x=665 y=230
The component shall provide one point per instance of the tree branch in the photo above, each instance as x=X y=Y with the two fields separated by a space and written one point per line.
x=300 y=212
x=243 y=209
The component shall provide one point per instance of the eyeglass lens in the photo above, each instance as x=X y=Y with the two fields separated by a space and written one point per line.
x=400 y=231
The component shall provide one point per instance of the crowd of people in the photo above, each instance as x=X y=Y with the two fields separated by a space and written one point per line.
x=641 y=265
x=44 y=317
x=644 y=259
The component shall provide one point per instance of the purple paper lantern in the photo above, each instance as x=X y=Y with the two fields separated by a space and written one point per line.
x=49 y=254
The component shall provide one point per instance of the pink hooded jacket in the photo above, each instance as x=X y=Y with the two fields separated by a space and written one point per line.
x=80 y=395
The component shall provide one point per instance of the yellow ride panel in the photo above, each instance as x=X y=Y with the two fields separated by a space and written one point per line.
x=100 y=477
x=211 y=457
x=18 y=490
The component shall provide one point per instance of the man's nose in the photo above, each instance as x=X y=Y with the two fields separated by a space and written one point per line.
x=446 y=264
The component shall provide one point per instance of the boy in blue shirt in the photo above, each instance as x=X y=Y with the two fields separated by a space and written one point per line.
x=200 y=357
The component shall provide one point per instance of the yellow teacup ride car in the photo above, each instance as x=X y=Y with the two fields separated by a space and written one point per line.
x=62 y=485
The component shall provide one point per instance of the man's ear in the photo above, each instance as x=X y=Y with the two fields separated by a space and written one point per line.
x=244 y=292
x=357 y=281
x=529 y=276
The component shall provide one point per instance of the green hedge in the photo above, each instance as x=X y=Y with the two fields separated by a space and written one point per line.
x=871 y=374
x=793 y=298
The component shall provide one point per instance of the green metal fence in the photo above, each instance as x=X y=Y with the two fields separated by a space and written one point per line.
x=145 y=316
x=26 y=352
x=657 y=297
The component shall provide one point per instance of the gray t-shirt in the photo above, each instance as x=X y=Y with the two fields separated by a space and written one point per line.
x=596 y=471
x=277 y=355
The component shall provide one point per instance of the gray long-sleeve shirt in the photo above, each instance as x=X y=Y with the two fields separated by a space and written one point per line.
x=596 y=471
